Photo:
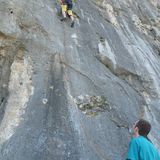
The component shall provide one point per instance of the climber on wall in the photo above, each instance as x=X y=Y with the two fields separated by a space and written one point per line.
x=141 y=148
x=67 y=6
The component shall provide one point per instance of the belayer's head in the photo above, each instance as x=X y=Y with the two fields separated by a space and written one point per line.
x=141 y=128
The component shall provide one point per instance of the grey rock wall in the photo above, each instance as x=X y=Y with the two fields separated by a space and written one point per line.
x=113 y=52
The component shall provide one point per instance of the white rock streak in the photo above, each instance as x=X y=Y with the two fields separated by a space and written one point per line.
x=20 y=89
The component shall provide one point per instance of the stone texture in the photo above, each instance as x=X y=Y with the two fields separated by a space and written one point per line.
x=45 y=65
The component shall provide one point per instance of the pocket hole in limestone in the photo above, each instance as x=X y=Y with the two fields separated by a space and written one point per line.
x=11 y=11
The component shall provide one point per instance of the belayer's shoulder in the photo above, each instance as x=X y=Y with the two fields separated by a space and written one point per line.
x=135 y=139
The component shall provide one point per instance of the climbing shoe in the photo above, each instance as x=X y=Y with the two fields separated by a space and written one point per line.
x=72 y=24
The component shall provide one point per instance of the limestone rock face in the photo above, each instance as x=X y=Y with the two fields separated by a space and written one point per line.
x=111 y=56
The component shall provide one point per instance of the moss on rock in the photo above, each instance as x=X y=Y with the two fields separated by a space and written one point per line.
x=92 y=105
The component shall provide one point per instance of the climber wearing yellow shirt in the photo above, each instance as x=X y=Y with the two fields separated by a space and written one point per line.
x=67 y=6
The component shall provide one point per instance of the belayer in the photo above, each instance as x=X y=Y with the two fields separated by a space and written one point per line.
x=67 y=6
x=141 y=147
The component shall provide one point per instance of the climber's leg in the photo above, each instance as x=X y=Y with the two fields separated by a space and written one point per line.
x=64 y=10
x=70 y=13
